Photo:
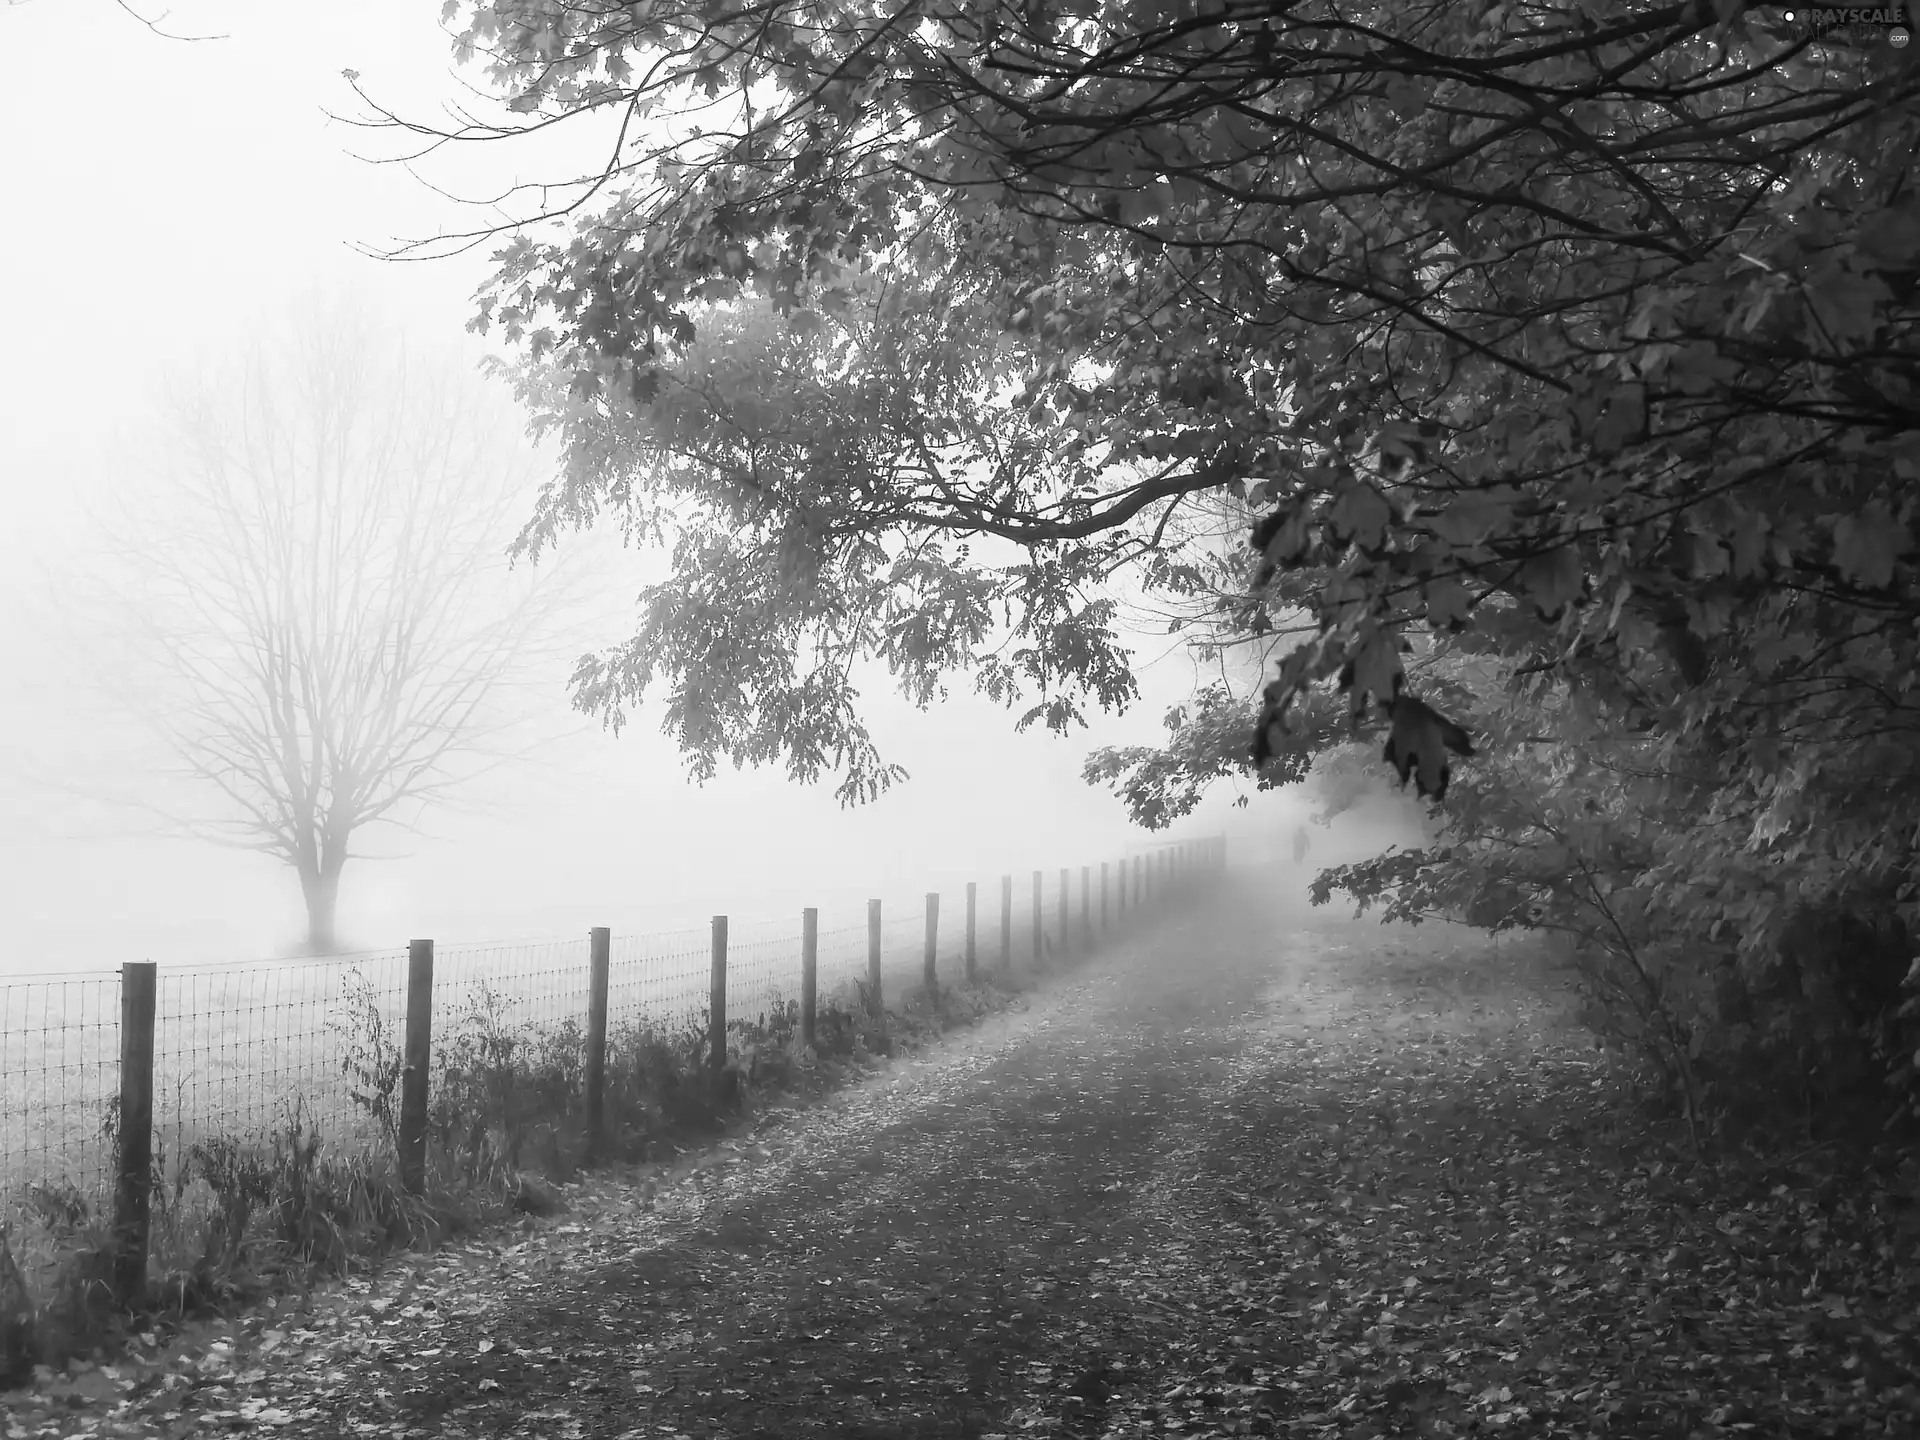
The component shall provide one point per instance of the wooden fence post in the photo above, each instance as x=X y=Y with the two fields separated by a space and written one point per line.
x=717 y=1001
x=928 y=976
x=413 y=1078
x=133 y=1168
x=970 y=925
x=809 y=972
x=1006 y=923
x=876 y=1007
x=1039 y=924
x=599 y=968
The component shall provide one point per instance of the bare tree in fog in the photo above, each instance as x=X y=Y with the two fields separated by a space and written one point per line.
x=310 y=573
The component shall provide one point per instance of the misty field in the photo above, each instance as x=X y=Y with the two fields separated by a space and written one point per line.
x=237 y=1047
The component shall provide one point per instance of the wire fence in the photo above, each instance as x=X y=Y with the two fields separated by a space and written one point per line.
x=59 y=1065
x=239 y=1048
x=235 y=1044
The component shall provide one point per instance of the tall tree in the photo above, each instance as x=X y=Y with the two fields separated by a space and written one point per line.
x=1569 y=358
x=305 y=579
x=1489 y=306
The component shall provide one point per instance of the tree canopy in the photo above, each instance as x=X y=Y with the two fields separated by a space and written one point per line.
x=1566 y=356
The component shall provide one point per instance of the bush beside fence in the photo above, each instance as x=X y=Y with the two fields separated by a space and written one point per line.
x=348 y=1044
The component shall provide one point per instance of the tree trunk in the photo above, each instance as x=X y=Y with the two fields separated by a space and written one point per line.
x=321 y=889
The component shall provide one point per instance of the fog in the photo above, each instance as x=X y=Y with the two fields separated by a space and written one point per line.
x=163 y=197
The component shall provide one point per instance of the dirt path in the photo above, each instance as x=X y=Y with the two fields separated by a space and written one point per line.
x=925 y=1248
x=1253 y=1172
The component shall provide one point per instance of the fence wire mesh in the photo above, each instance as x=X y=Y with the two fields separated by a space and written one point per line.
x=660 y=979
x=59 y=1072
x=763 y=970
x=505 y=994
x=240 y=1050
x=903 y=928
x=841 y=964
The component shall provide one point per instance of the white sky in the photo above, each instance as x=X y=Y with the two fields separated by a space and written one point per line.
x=153 y=196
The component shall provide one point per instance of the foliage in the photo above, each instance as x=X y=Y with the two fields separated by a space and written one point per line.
x=1571 y=355
x=1339 y=262
x=371 y=1057
x=1205 y=744
x=789 y=472
x=1695 y=947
